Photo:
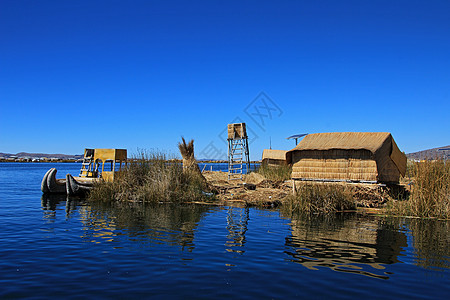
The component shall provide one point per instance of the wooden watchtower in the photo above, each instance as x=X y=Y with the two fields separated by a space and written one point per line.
x=238 y=153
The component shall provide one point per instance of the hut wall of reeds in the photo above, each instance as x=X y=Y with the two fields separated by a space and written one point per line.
x=356 y=156
x=274 y=157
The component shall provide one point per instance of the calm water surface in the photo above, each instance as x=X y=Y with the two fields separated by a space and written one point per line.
x=51 y=247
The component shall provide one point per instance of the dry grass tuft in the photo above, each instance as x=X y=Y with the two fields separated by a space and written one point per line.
x=151 y=178
x=320 y=198
x=430 y=192
x=275 y=173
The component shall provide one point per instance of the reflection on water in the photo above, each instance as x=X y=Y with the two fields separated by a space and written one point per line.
x=146 y=224
x=237 y=222
x=431 y=240
x=349 y=243
x=49 y=204
x=345 y=243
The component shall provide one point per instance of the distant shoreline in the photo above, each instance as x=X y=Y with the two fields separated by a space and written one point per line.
x=43 y=161
x=79 y=161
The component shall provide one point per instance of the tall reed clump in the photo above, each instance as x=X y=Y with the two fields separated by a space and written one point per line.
x=275 y=173
x=320 y=198
x=430 y=192
x=150 y=177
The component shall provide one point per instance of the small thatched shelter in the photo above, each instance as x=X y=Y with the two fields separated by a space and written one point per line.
x=274 y=157
x=348 y=156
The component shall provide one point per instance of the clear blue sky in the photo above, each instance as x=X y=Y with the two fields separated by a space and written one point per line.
x=141 y=74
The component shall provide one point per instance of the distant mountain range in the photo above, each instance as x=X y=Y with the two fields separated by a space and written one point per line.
x=428 y=154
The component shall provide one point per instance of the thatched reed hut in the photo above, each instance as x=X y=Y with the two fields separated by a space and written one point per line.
x=274 y=157
x=348 y=156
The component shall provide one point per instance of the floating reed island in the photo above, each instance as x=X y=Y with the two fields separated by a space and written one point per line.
x=328 y=173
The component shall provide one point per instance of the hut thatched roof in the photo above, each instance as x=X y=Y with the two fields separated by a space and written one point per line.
x=274 y=154
x=371 y=141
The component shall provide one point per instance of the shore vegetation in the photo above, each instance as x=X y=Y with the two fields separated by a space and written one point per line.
x=151 y=177
x=430 y=191
x=319 y=198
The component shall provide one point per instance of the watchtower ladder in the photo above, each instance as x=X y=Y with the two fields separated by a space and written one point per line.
x=238 y=152
x=87 y=166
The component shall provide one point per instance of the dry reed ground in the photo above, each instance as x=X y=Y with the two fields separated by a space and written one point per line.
x=267 y=193
x=272 y=193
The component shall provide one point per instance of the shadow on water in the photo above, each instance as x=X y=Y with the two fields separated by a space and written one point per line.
x=345 y=243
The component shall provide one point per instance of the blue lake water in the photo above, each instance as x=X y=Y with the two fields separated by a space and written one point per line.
x=52 y=248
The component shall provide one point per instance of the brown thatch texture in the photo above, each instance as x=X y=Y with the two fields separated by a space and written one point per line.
x=274 y=154
x=274 y=157
x=371 y=141
x=399 y=158
x=334 y=164
x=371 y=156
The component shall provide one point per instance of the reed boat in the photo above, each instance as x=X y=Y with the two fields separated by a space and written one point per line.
x=79 y=186
x=51 y=185
x=98 y=164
